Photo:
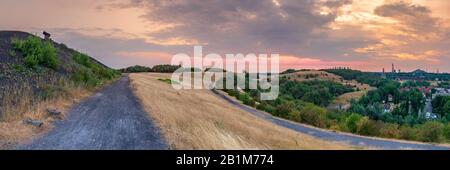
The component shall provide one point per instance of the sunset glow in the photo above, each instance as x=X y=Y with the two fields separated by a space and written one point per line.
x=361 y=34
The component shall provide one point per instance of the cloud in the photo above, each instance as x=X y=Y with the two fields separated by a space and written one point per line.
x=406 y=32
x=340 y=32
x=414 y=16
x=242 y=26
x=287 y=62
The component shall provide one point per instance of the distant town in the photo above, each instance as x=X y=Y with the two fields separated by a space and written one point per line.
x=430 y=84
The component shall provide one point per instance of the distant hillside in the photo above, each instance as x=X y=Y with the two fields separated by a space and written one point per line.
x=33 y=70
x=341 y=101
x=136 y=69
x=164 y=68
x=309 y=75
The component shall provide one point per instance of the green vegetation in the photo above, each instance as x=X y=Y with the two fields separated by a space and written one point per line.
x=416 y=84
x=36 y=52
x=441 y=106
x=431 y=131
x=371 y=79
x=136 y=69
x=288 y=71
x=318 y=92
x=305 y=102
x=444 y=84
x=12 y=53
x=90 y=72
x=165 y=68
x=168 y=81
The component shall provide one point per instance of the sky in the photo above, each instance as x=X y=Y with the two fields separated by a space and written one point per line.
x=308 y=34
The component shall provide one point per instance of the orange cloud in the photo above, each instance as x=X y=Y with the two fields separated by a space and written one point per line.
x=427 y=56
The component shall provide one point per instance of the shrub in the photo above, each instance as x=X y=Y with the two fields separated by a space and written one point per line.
x=447 y=132
x=244 y=97
x=92 y=73
x=270 y=109
x=352 y=122
x=12 y=53
x=284 y=109
x=294 y=115
x=82 y=59
x=314 y=115
x=18 y=68
x=408 y=133
x=368 y=127
x=261 y=106
x=389 y=130
x=233 y=92
x=86 y=77
x=431 y=131
x=37 y=52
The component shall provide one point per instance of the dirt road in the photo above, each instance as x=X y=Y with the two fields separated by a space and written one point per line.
x=111 y=119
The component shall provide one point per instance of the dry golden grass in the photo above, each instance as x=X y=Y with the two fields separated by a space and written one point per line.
x=198 y=119
x=12 y=129
x=347 y=97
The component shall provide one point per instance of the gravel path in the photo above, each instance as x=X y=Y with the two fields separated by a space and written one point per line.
x=332 y=136
x=109 y=120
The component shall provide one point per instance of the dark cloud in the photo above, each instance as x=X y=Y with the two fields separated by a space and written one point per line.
x=415 y=16
x=243 y=25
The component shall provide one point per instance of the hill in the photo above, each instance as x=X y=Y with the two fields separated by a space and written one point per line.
x=37 y=75
x=309 y=75
x=202 y=120
x=341 y=101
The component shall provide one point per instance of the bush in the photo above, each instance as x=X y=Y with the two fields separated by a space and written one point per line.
x=408 y=133
x=82 y=59
x=233 y=92
x=284 y=109
x=389 y=130
x=12 y=53
x=91 y=73
x=447 y=132
x=314 y=115
x=352 y=122
x=367 y=127
x=270 y=109
x=36 y=52
x=86 y=77
x=294 y=115
x=431 y=131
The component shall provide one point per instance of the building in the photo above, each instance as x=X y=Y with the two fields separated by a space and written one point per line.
x=393 y=68
x=441 y=92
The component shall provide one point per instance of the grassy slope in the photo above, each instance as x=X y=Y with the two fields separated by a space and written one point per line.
x=197 y=119
x=28 y=92
x=322 y=75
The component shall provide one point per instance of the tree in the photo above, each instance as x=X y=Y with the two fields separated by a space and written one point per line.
x=446 y=108
x=439 y=103
x=352 y=122
x=414 y=100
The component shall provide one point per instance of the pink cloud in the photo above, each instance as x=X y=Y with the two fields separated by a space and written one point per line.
x=293 y=62
x=154 y=57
